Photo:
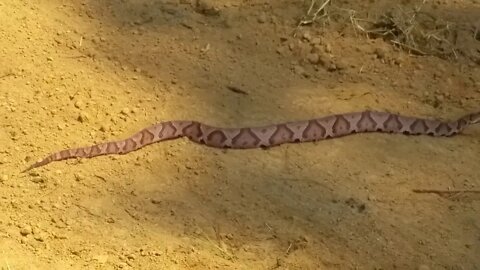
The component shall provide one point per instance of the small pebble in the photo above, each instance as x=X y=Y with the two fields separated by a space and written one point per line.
x=328 y=48
x=341 y=64
x=380 y=53
x=78 y=104
x=101 y=259
x=39 y=237
x=332 y=67
x=313 y=58
x=110 y=220
x=291 y=46
x=83 y=117
x=38 y=179
x=262 y=18
x=155 y=201
x=26 y=230
x=60 y=236
x=281 y=51
x=125 y=111
x=207 y=8
x=316 y=41
x=307 y=36
x=104 y=128
x=3 y=178
x=299 y=70
x=32 y=173
x=79 y=177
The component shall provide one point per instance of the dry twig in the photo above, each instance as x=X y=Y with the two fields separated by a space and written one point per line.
x=236 y=89
x=310 y=18
x=451 y=194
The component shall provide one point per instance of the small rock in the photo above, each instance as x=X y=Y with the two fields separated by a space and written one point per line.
x=38 y=179
x=313 y=58
x=423 y=267
x=101 y=259
x=281 y=51
x=78 y=177
x=332 y=67
x=299 y=70
x=307 y=36
x=341 y=65
x=328 y=48
x=60 y=236
x=399 y=61
x=316 y=41
x=155 y=201
x=440 y=98
x=3 y=178
x=40 y=237
x=83 y=117
x=206 y=8
x=262 y=18
x=104 y=128
x=317 y=49
x=125 y=111
x=78 y=104
x=110 y=220
x=381 y=53
x=26 y=230
x=228 y=22
x=291 y=46
x=32 y=173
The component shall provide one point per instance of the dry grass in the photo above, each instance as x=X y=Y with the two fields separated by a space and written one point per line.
x=411 y=29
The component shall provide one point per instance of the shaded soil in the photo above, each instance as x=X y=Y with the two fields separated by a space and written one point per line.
x=74 y=73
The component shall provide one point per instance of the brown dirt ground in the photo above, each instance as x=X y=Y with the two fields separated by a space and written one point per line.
x=77 y=72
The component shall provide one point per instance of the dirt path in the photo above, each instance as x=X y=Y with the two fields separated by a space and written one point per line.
x=77 y=72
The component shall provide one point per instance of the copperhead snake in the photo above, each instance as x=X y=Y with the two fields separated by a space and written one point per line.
x=331 y=126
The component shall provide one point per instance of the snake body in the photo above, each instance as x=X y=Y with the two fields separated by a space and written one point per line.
x=331 y=126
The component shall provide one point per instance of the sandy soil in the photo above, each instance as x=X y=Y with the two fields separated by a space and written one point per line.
x=74 y=73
